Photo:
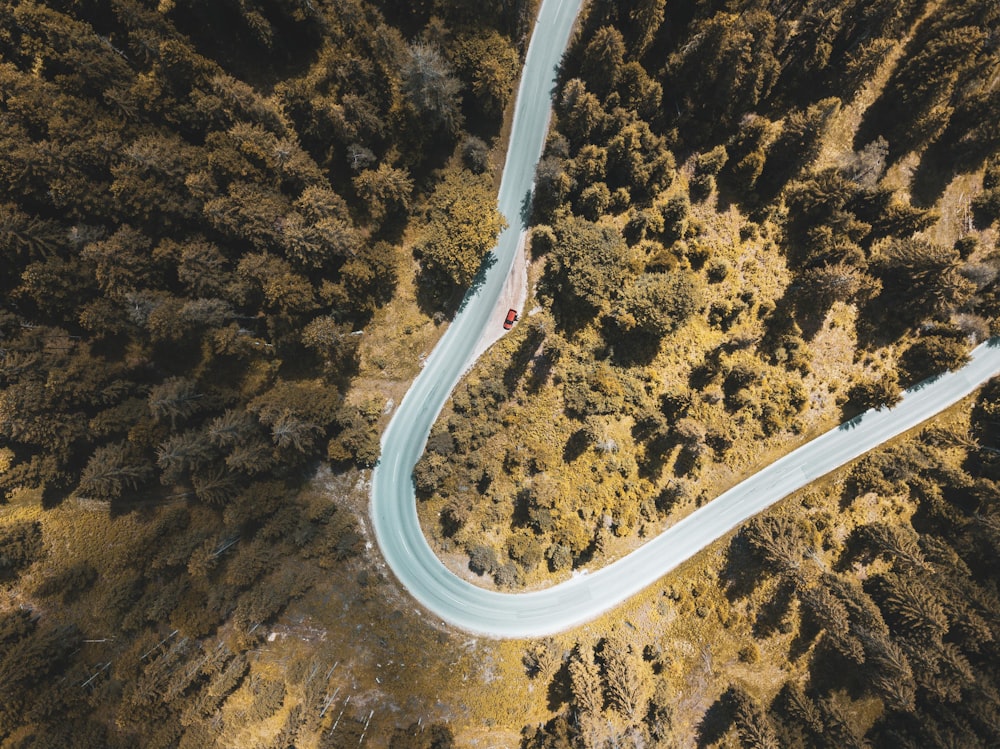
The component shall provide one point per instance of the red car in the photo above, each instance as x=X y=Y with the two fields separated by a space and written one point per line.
x=511 y=319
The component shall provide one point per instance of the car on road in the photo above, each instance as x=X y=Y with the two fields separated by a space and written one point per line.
x=511 y=318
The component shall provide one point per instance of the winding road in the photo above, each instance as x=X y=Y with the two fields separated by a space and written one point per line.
x=585 y=596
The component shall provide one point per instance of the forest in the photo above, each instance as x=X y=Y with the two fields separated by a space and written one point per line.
x=201 y=208
x=228 y=230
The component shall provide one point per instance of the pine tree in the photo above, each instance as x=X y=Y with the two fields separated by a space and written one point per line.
x=828 y=612
x=841 y=731
x=603 y=60
x=752 y=724
x=430 y=88
x=232 y=428
x=803 y=710
x=890 y=673
x=215 y=486
x=626 y=679
x=898 y=543
x=386 y=191
x=541 y=658
x=111 y=471
x=915 y=608
x=182 y=454
x=176 y=399
x=777 y=540
x=586 y=683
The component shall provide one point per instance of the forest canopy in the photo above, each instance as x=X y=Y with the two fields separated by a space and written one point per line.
x=202 y=208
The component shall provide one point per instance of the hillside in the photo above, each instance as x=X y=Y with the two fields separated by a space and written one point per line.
x=227 y=238
x=752 y=222
x=696 y=317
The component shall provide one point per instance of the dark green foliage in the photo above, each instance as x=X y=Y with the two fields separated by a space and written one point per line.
x=725 y=72
x=20 y=545
x=878 y=393
x=431 y=90
x=490 y=62
x=915 y=636
x=933 y=355
x=26 y=669
x=155 y=203
x=797 y=145
x=899 y=618
x=201 y=205
x=921 y=280
x=587 y=263
x=659 y=303
x=461 y=229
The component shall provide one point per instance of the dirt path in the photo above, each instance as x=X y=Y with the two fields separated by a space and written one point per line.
x=513 y=296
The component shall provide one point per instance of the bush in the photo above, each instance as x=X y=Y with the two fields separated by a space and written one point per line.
x=560 y=557
x=675 y=217
x=594 y=201
x=749 y=653
x=710 y=164
x=717 y=271
x=506 y=575
x=475 y=155
x=482 y=559
x=932 y=355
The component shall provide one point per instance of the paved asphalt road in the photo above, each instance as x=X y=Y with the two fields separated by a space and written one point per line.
x=585 y=596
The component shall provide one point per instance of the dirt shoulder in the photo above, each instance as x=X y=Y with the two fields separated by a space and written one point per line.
x=513 y=296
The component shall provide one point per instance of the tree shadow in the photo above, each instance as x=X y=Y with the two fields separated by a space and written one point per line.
x=804 y=638
x=437 y=297
x=687 y=462
x=437 y=294
x=789 y=315
x=716 y=722
x=571 y=314
x=146 y=500
x=771 y=616
x=741 y=572
x=829 y=670
x=222 y=33
x=522 y=358
x=489 y=260
x=541 y=367
x=576 y=445
x=560 y=690
x=951 y=154
x=527 y=208
x=630 y=348
x=655 y=458
x=878 y=120
x=521 y=516
x=880 y=323
x=670 y=496
x=852 y=423
x=701 y=375
x=855 y=548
